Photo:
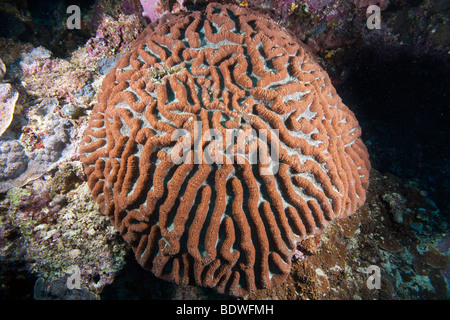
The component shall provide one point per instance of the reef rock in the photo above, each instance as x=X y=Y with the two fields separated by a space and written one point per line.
x=45 y=141
x=13 y=160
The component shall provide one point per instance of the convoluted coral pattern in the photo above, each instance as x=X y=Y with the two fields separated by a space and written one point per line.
x=231 y=225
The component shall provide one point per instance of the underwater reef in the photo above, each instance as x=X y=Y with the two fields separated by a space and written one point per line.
x=73 y=197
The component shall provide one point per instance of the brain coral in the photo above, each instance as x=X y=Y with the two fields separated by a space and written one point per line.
x=231 y=225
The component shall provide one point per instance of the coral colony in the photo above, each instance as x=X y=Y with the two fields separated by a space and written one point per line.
x=218 y=218
x=203 y=137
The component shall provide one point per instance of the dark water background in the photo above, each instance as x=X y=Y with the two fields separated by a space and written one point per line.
x=403 y=107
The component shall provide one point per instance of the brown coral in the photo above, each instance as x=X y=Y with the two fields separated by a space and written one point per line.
x=230 y=223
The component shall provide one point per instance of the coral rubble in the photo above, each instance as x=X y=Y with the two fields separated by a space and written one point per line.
x=57 y=231
x=48 y=223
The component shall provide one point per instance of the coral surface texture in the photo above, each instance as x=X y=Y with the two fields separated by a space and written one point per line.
x=217 y=145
